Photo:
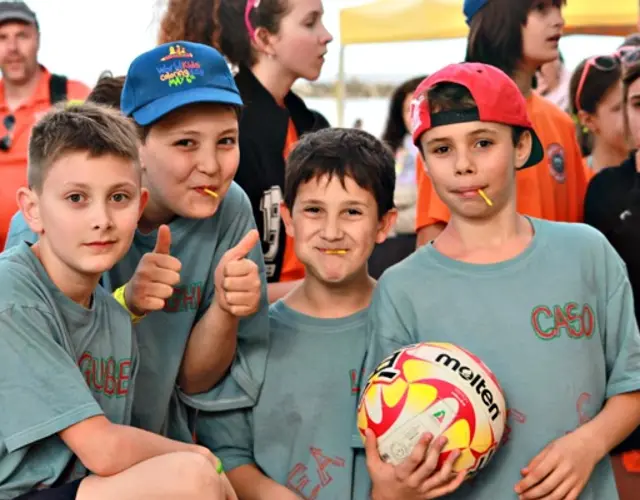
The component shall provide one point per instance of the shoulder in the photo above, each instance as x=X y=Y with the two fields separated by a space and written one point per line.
x=542 y=107
x=573 y=233
x=395 y=279
x=235 y=204
x=112 y=310
x=612 y=176
x=21 y=283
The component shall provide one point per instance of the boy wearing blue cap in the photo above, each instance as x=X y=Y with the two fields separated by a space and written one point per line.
x=193 y=280
x=546 y=305
x=69 y=355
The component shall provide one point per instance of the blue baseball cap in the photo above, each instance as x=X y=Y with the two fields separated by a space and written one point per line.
x=174 y=75
x=471 y=8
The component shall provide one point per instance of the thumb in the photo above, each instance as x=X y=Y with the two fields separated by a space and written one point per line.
x=371 y=448
x=245 y=245
x=163 y=242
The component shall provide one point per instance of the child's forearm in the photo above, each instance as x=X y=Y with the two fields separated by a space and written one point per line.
x=251 y=484
x=107 y=449
x=210 y=350
x=619 y=418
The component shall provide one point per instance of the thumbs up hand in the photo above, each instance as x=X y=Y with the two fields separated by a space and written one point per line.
x=156 y=275
x=237 y=279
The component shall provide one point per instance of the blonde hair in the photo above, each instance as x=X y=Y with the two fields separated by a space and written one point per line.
x=91 y=128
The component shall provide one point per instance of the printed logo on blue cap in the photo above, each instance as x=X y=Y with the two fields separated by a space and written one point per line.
x=179 y=67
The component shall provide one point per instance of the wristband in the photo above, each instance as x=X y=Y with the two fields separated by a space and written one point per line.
x=119 y=296
x=219 y=467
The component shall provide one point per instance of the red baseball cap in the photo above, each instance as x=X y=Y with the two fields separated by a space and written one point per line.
x=498 y=100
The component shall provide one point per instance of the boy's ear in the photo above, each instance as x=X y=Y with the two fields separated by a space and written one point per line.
x=523 y=148
x=285 y=213
x=385 y=225
x=144 y=199
x=29 y=205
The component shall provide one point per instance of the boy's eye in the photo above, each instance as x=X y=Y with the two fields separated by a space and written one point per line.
x=312 y=210
x=75 y=198
x=440 y=150
x=354 y=212
x=184 y=143
x=120 y=197
x=483 y=143
x=228 y=141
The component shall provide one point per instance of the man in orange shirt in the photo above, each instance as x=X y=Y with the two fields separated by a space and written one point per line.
x=27 y=91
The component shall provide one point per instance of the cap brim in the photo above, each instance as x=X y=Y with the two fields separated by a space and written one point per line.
x=17 y=16
x=537 y=151
x=165 y=105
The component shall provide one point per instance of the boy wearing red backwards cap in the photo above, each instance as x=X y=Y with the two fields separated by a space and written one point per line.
x=546 y=305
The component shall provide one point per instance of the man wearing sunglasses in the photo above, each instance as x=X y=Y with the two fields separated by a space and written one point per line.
x=27 y=91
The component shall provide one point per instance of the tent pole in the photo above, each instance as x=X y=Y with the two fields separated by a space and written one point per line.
x=340 y=88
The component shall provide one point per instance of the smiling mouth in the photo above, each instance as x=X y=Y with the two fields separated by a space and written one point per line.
x=100 y=244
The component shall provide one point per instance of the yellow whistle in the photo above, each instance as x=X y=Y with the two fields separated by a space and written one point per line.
x=486 y=198
x=213 y=194
x=337 y=252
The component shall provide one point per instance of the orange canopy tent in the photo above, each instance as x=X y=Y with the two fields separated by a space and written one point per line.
x=410 y=20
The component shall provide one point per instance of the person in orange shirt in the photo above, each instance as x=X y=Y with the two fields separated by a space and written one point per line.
x=27 y=91
x=273 y=44
x=595 y=92
x=519 y=37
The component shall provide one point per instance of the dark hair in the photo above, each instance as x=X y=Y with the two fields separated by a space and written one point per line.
x=107 y=91
x=596 y=85
x=629 y=75
x=344 y=152
x=446 y=96
x=495 y=34
x=632 y=40
x=221 y=24
x=395 y=129
x=97 y=130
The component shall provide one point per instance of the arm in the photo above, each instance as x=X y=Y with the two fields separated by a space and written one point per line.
x=619 y=418
x=251 y=484
x=210 y=350
x=107 y=449
x=239 y=279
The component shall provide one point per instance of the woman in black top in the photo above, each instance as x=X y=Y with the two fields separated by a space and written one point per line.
x=273 y=43
x=612 y=205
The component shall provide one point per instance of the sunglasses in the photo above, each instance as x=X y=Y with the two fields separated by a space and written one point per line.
x=9 y=122
x=625 y=55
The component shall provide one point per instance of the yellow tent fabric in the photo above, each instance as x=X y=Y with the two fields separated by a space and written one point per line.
x=408 y=20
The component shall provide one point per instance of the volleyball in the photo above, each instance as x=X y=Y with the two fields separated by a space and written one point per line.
x=438 y=388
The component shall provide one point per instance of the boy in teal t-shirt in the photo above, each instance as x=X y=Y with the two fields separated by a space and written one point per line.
x=547 y=306
x=296 y=441
x=195 y=266
x=69 y=358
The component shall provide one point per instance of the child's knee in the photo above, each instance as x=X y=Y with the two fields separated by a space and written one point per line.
x=198 y=477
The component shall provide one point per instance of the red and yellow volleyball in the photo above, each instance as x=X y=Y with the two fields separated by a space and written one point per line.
x=438 y=388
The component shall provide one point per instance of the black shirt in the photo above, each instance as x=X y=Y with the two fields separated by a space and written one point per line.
x=263 y=134
x=612 y=205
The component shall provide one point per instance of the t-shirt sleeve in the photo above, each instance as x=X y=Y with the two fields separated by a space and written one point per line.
x=19 y=232
x=622 y=339
x=229 y=435
x=42 y=390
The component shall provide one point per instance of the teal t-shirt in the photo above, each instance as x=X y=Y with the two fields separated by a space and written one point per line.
x=60 y=364
x=299 y=432
x=555 y=324
x=199 y=244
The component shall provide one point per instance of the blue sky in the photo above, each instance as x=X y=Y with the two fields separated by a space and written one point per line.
x=81 y=38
